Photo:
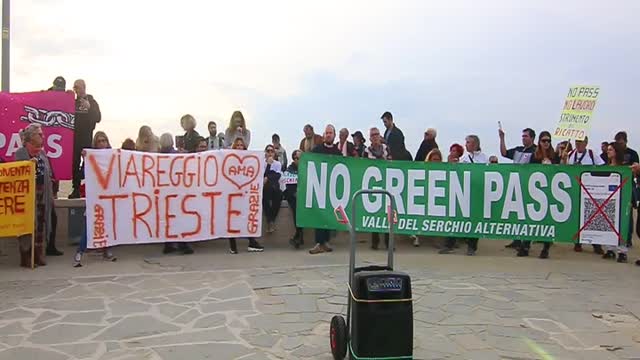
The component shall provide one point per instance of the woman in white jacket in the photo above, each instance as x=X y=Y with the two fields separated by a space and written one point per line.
x=473 y=155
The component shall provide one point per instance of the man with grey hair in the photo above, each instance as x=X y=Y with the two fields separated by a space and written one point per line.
x=87 y=116
x=428 y=144
x=473 y=155
x=345 y=146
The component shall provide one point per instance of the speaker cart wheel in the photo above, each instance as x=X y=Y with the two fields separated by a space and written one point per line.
x=338 y=336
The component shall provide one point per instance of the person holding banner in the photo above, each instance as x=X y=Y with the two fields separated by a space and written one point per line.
x=544 y=154
x=291 y=195
x=254 y=245
x=191 y=136
x=328 y=147
x=33 y=150
x=474 y=155
x=616 y=152
x=271 y=194
x=377 y=151
x=630 y=158
x=100 y=141
x=520 y=155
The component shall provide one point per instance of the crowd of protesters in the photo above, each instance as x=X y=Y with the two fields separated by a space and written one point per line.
x=387 y=145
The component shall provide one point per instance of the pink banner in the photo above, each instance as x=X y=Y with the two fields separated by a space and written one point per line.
x=54 y=110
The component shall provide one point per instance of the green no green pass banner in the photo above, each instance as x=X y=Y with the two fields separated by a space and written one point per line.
x=562 y=203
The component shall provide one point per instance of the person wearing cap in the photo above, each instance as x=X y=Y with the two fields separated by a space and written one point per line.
x=428 y=143
x=87 y=116
x=394 y=139
x=581 y=155
x=358 y=143
x=310 y=140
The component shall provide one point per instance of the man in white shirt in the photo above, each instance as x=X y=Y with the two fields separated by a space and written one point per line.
x=583 y=156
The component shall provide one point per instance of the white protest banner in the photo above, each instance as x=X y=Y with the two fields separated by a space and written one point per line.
x=135 y=197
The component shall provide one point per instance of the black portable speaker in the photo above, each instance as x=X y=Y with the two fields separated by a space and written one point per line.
x=378 y=328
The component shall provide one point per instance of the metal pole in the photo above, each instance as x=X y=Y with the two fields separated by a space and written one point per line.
x=6 y=26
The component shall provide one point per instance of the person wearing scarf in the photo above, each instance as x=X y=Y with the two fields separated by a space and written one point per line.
x=377 y=151
x=33 y=150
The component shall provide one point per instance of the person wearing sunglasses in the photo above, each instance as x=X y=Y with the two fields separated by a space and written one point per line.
x=271 y=194
x=544 y=154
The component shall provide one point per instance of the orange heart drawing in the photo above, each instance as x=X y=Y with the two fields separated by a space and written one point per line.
x=240 y=171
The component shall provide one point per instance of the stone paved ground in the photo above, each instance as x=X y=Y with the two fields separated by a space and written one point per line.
x=277 y=306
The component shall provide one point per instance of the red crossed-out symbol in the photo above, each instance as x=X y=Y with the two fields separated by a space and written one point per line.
x=599 y=208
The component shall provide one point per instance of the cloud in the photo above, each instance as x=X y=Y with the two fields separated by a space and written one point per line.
x=459 y=66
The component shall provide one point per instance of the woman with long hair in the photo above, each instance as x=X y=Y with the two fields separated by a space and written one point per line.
x=615 y=155
x=146 y=141
x=254 y=246
x=544 y=154
x=166 y=144
x=544 y=151
x=100 y=141
x=237 y=129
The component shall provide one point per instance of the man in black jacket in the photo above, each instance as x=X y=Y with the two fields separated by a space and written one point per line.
x=428 y=144
x=394 y=138
x=87 y=116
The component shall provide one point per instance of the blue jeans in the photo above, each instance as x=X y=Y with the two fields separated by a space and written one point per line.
x=82 y=246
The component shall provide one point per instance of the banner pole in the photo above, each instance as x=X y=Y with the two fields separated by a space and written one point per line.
x=33 y=250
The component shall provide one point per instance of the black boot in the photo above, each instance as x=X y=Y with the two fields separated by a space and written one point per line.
x=168 y=248
x=622 y=257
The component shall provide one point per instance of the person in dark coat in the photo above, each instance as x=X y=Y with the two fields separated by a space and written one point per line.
x=428 y=144
x=87 y=116
x=291 y=195
x=394 y=139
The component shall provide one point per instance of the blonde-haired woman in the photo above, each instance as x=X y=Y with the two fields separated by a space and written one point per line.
x=146 y=140
x=191 y=136
x=237 y=129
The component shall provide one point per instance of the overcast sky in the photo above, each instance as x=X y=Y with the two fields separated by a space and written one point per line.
x=458 y=66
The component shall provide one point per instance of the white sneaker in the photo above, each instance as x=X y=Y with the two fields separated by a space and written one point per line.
x=416 y=241
x=77 y=260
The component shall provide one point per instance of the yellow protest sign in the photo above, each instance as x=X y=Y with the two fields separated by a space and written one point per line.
x=575 y=120
x=17 y=198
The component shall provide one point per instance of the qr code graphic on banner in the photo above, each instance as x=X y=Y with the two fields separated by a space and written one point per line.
x=599 y=222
